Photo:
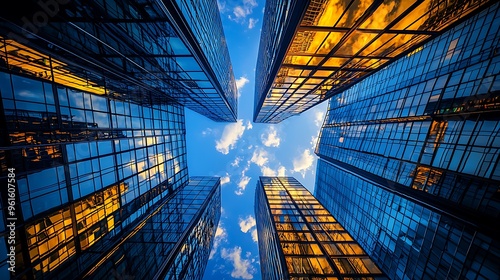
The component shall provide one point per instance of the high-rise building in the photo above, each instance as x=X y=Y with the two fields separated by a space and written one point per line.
x=313 y=50
x=409 y=157
x=300 y=239
x=148 y=51
x=92 y=138
x=173 y=242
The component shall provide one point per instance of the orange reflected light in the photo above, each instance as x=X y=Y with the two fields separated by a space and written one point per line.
x=306 y=43
x=27 y=60
x=51 y=240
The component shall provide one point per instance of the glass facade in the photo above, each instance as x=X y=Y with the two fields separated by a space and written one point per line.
x=173 y=242
x=409 y=157
x=211 y=39
x=92 y=130
x=329 y=46
x=405 y=237
x=148 y=51
x=300 y=239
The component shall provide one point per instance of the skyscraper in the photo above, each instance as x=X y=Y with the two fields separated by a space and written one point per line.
x=92 y=138
x=300 y=239
x=147 y=51
x=409 y=157
x=313 y=50
x=173 y=242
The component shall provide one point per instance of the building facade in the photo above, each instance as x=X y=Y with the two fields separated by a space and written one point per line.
x=92 y=139
x=173 y=242
x=149 y=51
x=313 y=50
x=300 y=239
x=409 y=157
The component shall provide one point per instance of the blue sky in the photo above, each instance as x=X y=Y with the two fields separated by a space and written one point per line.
x=241 y=152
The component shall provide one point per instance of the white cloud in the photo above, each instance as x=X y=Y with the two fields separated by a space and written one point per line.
x=242 y=268
x=225 y=179
x=236 y=162
x=318 y=118
x=222 y=6
x=247 y=224
x=246 y=168
x=240 y=12
x=240 y=83
x=252 y=22
x=220 y=236
x=271 y=139
x=206 y=132
x=231 y=134
x=255 y=236
x=267 y=171
x=281 y=171
x=242 y=184
x=259 y=157
x=314 y=141
x=303 y=162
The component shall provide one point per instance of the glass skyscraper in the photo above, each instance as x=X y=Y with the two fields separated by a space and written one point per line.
x=173 y=242
x=92 y=138
x=148 y=51
x=300 y=239
x=409 y=157
x=313 y=50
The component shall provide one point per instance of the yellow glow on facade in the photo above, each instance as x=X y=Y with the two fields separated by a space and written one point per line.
x=51 y=240
x=340 y=42
x=32 y=62
x=310 y=238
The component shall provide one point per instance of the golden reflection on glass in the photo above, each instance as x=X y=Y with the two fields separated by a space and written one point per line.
x=51 y=240
x=94 y=209
x=40 y=153
x=415 y=18
x=309 y=235
x=325 y=25
x=425 y=177
x=24 y=59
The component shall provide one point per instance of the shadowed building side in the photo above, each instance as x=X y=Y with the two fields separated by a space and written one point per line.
x=92 y=128
x=148 y=51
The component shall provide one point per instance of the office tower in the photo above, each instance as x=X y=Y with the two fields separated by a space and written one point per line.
x=409 y=157
x=313 y=50
x=149 y=51
x=300 y=239
x=92 y=130
x=173 y=242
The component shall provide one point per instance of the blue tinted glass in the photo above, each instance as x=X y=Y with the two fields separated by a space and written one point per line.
x=5 y=85
x=82 y=150
x=101 y=119
x=28 y=89
x=99 y=103
x=63 y=97
x=21 y=105
x=188 y=64
x=49 y=95
x=178 y=46
x=45 y=202
x=75 y=98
